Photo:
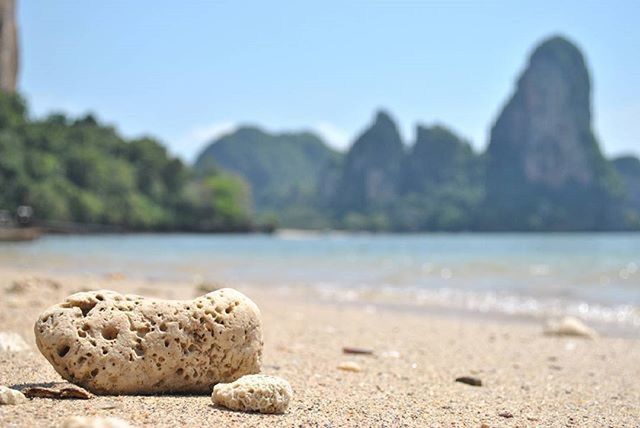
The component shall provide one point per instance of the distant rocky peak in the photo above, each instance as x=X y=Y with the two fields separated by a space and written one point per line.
x=436 y=135
x=557 y=75
x=383 y=132
x=384 y=119
x=545 y=129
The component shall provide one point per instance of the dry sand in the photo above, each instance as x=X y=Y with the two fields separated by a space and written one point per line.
x=528 y=379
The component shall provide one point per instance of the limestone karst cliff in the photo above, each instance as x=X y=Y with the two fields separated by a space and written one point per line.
x=372 y=167
x=8 y=46
x=545 y=169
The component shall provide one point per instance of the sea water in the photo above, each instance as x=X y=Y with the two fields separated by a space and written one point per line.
x=594 y=276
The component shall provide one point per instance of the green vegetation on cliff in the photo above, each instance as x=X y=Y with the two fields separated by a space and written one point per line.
x=82 y=171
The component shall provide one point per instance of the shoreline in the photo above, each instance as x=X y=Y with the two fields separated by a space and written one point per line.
x=409 y=381
x=612 y=320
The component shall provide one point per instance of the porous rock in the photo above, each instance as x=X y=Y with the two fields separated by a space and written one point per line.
x=110 y=343
x=94 y=422
x=569 y=326
x=254 y=393
x=11 y=396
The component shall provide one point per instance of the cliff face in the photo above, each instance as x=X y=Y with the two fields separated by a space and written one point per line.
x=8 y=46
x=545 y=168
x=628 y=168
x=372 y=167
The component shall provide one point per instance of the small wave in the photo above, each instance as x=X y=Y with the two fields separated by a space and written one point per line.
x=488 y=302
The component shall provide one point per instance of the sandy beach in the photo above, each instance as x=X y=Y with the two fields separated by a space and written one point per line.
x=528 y=379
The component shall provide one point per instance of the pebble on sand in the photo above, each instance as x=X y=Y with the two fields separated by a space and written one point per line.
x=254 y=393
x=356 y=350
x=94 y=422
x=569 y=326
x=469 y=380
x=350 y=366
x=11 y=396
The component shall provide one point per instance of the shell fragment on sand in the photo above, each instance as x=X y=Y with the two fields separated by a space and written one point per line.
x=61 y=392
x=350 y=366
x=254 y=393
x=569 y=326
x=110 y=343
x=94 y=422
x=12 y=342
x=11 y=396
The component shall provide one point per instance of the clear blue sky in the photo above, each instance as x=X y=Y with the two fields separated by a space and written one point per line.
x=185 y=71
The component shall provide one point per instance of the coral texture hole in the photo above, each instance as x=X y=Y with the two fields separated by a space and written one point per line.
x=110 y=332
x=63 y=350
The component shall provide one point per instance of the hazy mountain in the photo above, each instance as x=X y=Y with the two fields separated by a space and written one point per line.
x=370 y=176
x=545 y=169
x=282 y=169
x=439 y=157
x=443 y=183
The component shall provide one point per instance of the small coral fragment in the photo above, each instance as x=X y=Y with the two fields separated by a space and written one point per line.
x=254 y=393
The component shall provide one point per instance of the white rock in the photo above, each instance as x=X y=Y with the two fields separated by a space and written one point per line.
x=11 y=396
x=94 y=422
x=12 y=342
x=569 y=326
x=254 y=393
x=123 y=344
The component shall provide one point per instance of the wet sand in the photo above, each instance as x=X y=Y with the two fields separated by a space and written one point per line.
x=528 y=379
